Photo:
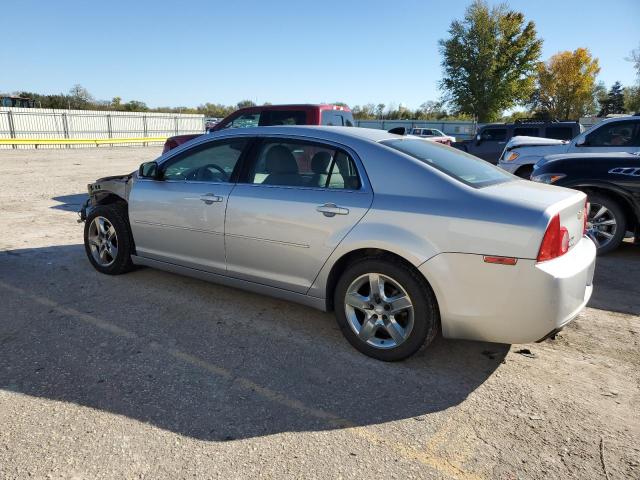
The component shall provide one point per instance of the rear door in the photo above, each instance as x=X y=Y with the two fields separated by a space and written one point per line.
x=294 y=204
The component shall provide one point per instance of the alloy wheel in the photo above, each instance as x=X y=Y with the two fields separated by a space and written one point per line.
x=103 y=241
x=601 y=224
x=379 y=310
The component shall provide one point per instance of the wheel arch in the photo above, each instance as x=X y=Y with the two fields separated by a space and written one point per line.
x=630 y=211
x=107 y=198
x=347 y=258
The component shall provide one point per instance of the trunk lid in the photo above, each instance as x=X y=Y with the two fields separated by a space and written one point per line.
x=548 y=200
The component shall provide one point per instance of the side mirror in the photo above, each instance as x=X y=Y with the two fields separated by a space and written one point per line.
x=149 y=170
x=582 y=142
x=478 y=139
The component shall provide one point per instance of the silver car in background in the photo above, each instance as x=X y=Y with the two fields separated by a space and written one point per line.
x=400 y=236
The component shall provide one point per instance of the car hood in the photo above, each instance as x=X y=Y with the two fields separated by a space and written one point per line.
x=521 y=141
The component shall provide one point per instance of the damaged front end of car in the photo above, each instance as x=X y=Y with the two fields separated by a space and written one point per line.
x=105 y=191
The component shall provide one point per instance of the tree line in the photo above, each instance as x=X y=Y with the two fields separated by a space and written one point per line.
x=491 y=64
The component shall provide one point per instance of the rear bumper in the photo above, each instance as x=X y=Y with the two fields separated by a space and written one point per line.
x=510 y=304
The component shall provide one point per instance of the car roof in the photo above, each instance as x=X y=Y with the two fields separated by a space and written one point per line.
x=315 y=131
x=300 y=106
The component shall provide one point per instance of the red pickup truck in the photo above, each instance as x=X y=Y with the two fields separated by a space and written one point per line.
x=276 y=115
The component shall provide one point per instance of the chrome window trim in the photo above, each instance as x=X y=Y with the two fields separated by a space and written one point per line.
x=365 y=186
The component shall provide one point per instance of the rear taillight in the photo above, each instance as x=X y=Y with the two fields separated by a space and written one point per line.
x=555 y=241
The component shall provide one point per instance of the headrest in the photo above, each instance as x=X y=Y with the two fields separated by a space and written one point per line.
x=279 y=159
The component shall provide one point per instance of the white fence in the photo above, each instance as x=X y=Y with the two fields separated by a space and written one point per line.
x=49 y=125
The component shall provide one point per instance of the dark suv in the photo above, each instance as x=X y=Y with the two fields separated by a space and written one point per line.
x=267 y=115
x=491 y=139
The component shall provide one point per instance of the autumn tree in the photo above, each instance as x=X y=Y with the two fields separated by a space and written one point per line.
x=566 y=85
x=489 y=61
x=632 y=94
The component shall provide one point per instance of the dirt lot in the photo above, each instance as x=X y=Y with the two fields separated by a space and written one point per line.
x=152 y=375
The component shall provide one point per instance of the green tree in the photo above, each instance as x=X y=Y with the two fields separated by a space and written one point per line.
x=632 y=99
x=614 y=102
x=245 y=104
x=135 y=106
x=489 y=61
x=79 y=97
x=567 y=85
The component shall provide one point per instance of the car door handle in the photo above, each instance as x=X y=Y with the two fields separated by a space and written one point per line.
x=210 y=198
x=331 y=209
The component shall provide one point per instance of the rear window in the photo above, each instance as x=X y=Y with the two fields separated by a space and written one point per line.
x=559 y=133
x=283 y=117
x=526 y=132
x=337 y=118
x=459 y=165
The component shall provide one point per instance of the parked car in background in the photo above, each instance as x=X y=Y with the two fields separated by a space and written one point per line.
x=620 y=134
x=433 y=134
x=210 y=123
x=269 y=115
x=399 y=235
x=612 y=184
x=490 y=140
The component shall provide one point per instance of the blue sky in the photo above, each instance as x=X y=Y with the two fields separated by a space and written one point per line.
x=187 y=53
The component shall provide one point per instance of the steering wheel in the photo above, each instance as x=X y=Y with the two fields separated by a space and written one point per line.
x=198 y=173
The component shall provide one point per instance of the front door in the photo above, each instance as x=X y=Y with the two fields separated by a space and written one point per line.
x=179 y=218
x=294 y=203
x=491 y=144
x=620 y=136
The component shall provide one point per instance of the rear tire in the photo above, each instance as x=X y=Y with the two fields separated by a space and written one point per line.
x=404 y=316
x=107 y=239
x=606 y=235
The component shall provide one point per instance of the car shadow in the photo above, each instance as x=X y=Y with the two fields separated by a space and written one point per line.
x=207 y=361
x=616 y=286
x=70 y=203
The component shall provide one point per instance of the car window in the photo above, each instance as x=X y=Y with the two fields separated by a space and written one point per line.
x=438 y=133
x=283 y=117
x=616 y=134
x=303 y=164
x=497 y=134
x=526 y=131
x=209 y=163
x=330 y=117
x=559 y=133
x=457 y=164
x=244 y=121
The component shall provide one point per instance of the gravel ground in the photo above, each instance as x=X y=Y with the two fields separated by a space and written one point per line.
x=152 y=375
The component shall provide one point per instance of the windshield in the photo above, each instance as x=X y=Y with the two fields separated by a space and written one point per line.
x=455 y=163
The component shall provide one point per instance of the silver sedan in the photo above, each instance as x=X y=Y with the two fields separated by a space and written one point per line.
x=400 y=236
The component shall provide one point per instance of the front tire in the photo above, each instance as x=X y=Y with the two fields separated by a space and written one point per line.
x=385 y=309
x=107 y=239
